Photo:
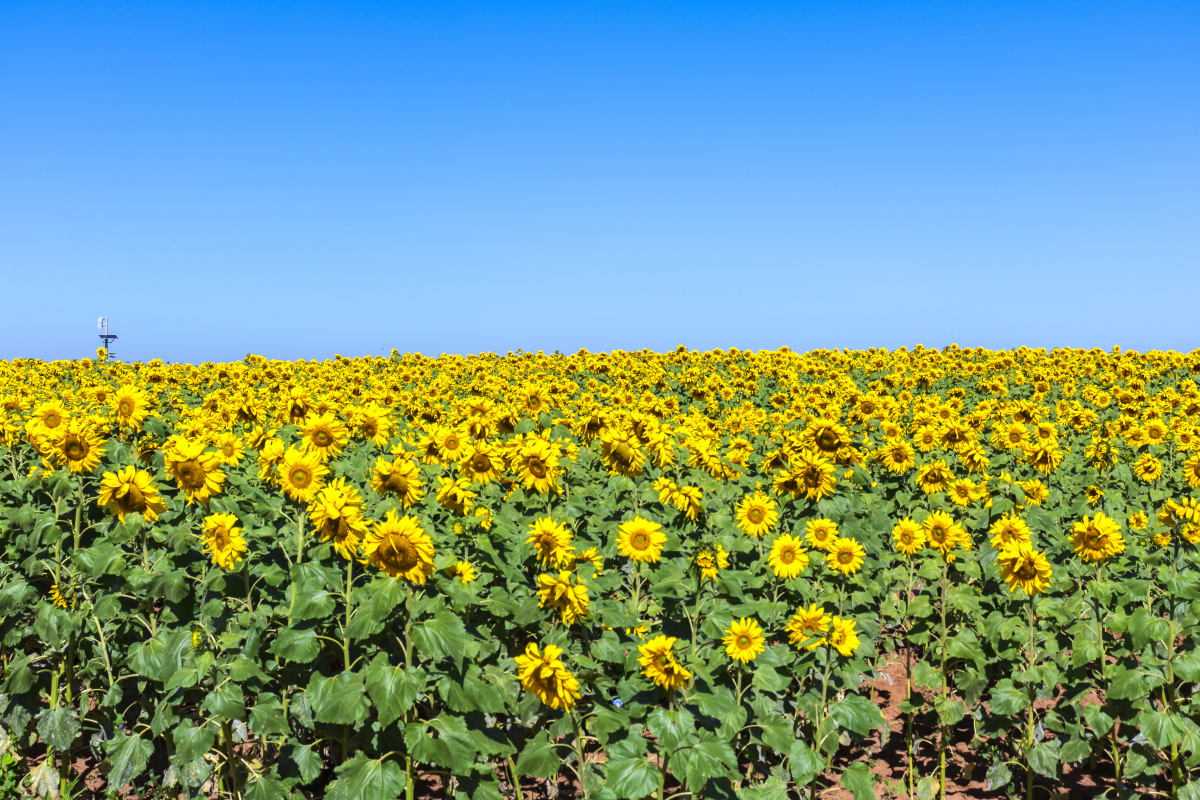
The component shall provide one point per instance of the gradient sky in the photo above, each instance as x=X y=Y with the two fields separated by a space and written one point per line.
x=301 y=179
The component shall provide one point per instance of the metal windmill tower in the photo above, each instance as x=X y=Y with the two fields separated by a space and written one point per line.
x=106 y=337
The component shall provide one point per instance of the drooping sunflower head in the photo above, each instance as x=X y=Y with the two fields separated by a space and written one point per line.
x=551 y=542
x=808 y=626
x=222 y=540
x=566 y=593
x=543 y=674
x=399 y=478
x=130 y=491
x=842 y=636
x=1023 y=567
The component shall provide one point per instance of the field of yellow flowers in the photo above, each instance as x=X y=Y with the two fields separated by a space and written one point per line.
x=627 y=574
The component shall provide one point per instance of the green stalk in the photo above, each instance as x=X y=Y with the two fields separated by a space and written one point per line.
x=945 y=680
x=1029 y=691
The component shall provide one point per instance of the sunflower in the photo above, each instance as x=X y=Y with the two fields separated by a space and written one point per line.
x=1138 y=521
x=1011 y=436
x=935 y=477
x=756 y=514
x=908 y=537
x=78 y=446
x=455 y=495
x=808 y=626
x=1009 y=529
x=452 y=444
x=463 y=570
x=1023 y=567
x=1191 y=471
x=622 y=451
x=1097 y=538
x=926 y=438
x=897 y=456
x=744 y=640
x=689 y=500
x=845 y=556
x=551 y=541
x=1156 y=431
x=130 y=491
x=564 y=593
x=1044 y=457
x=536 y=465
x=1036 y=492
x=196 y=472
x=1094 y=495
x=944 y=534
x=373 y=424
x=711 y=561
x=641 y=540
x=484 y=515
x=842 y=636
x=400 y=478
x=787 y=558
x=591 y=556
x=301 y=474
x=269 y=455
x=65 y=600
x=399 y=547
x=481 y=463
x=544 y=676
x=47 y=418
x=229 y=448
x=325 y=435
x=337 y=516
x=811 y=475
x=964 y=491
x=660 y=665
x=222 y=540
x=820 y=533
x=1148 y=468
x=131 y=406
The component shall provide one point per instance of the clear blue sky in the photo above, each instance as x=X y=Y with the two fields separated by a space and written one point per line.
x=302 y=179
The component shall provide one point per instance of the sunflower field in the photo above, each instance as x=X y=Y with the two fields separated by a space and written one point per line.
x=726 y=574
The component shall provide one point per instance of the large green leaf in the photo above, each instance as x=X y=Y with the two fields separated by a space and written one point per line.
x=58 y=727
x=671 y=728
x=540 y=757
x=443 y=740
x=128 y=755
x=363 y=778
x=392 y=689
x=296 y=644
x=340 y=700
x=859 y=781
x=858 y=714
x=632 y=778
x=441 y=637
x=192 y=742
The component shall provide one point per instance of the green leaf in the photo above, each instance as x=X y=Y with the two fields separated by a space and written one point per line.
x=1007 y=699
x=192 y=742
x=1044 y=757
x=441 y=636
x=927 y=676
x=1163 y=729
x=311 y=601
x=671 y=728
x=226 y=701
x=965 y=645
x=709 y=758
x=776 y=732
x=296 y=644
x=58 y=728
x=1127 y=684
x=393 y=689
x=1096 y=717
x=767 y=679
x=127 y=757
x=805 y=763
x=540 y=757
x=632 y=778
x=363 y=778
x=773 y=788
x=340 y=700
x=300 y=760
x=858 y=714
x=859 y=781
x=443 y=741
x=950 y=710
x=1075 y=750
x=998 y=775
x=267 y=716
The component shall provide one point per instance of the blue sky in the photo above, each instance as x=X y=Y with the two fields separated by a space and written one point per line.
x=303 y=179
